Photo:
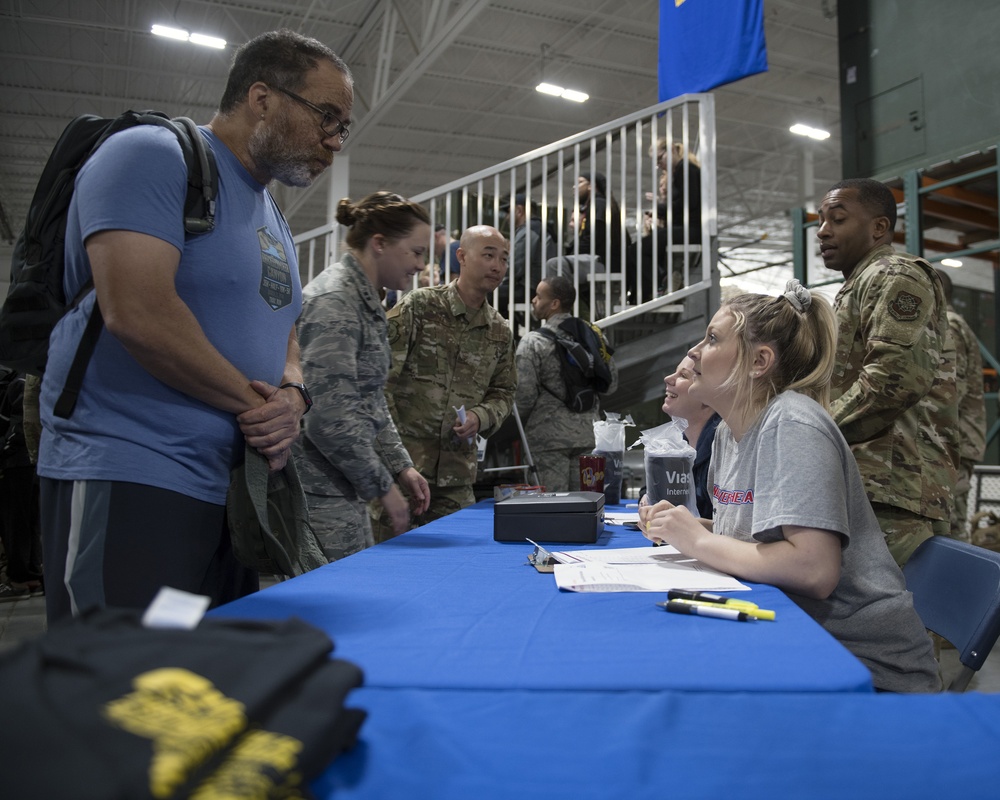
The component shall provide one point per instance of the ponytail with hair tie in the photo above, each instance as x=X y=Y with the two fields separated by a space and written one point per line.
x=798 y=295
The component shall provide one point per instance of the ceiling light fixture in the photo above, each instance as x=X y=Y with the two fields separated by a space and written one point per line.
x=558 y=91
x=183 y=36
x=170 y=33
x=575 y=96
x=806 y=130
x=207 y=41
x=550 y=88
x=950 y=262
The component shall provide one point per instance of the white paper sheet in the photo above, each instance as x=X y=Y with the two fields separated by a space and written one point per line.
x=173 y=608
x=460 y=413
x=621 y=555
x=592 y=576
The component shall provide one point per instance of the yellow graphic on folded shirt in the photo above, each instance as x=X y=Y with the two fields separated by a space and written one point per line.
x=189 y=720
x=252 y=768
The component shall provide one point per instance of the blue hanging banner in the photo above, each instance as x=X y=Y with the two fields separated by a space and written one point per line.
x=708 y=43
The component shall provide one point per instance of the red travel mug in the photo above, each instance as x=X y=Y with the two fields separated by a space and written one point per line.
x=591 y=473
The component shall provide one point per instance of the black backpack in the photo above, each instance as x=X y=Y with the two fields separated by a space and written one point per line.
x=35 y=301
x=584 y=362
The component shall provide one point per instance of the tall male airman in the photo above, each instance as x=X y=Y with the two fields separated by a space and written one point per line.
x=893 y=389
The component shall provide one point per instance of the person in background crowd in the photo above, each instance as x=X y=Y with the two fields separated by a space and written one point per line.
x=531 y=243
x=198 y=357
x=893 y=391
x=790 y=505
x=678 y=173
x=971 y=410
x=445 y=255
x=684 y=170
x=594 y=251
x=350 y=452
x=702 y=422
x=452 y=375
x=19 y=525
x=557 y=435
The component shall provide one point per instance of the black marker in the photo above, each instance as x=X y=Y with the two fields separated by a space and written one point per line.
x=707 y=611
x=707 y=597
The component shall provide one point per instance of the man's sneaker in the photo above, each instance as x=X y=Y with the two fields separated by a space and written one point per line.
x=8 y=593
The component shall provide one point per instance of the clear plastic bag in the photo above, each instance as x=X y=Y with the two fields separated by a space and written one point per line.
x=669 y=461
x=609 y=437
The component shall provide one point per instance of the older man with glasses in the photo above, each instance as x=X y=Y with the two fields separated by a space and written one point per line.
x=199 y=359
x=329 y=123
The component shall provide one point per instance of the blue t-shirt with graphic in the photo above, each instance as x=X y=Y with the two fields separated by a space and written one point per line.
x=241 y=282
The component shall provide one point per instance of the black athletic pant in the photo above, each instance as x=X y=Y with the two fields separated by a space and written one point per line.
x=114 y=544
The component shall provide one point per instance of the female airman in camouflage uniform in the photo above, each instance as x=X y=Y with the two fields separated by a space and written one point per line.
x=351 y=452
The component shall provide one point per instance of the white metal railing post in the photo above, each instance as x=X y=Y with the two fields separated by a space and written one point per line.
x=709 y=184
x=640 y=221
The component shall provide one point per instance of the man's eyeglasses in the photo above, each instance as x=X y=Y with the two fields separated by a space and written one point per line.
x=330 y=125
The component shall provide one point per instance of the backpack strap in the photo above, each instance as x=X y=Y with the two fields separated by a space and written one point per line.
x=203 y=173
x=556 y=335
x=74 y=378
x=203 y=179
x=548 y=333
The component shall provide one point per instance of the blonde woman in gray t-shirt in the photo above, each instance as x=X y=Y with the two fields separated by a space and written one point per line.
x=789 y=501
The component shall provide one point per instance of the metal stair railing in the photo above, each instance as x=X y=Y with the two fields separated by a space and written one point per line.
x=623 y=150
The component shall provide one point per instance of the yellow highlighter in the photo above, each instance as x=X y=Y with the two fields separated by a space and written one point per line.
x=755 y=612
x=708 y=597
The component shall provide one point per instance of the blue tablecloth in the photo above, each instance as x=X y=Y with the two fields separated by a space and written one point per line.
x=446 y=607
x=450 y=745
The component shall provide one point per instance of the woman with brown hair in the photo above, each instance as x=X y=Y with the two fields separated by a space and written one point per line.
x=350 y=452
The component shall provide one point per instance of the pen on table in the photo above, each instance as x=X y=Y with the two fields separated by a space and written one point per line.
x=756 y=613
x=716 y=611
x=708 y=597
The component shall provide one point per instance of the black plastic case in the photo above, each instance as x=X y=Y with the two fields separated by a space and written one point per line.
x=575 y=517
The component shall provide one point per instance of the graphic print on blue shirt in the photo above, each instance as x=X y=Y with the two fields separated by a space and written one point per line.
x=275 y=276
x=726 y=496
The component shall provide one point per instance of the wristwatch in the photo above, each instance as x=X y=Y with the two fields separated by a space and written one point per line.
x=306 y=398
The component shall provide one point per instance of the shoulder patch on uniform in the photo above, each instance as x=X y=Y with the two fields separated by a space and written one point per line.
x=393 y=330
x=905 y=306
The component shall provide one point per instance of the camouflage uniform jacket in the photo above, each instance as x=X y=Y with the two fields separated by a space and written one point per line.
x=548 y=423
x=444 y=356
x=893 y=388
x=350 y=447
x=969 y=382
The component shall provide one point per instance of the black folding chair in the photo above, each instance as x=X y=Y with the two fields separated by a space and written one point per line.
x=956 y=592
